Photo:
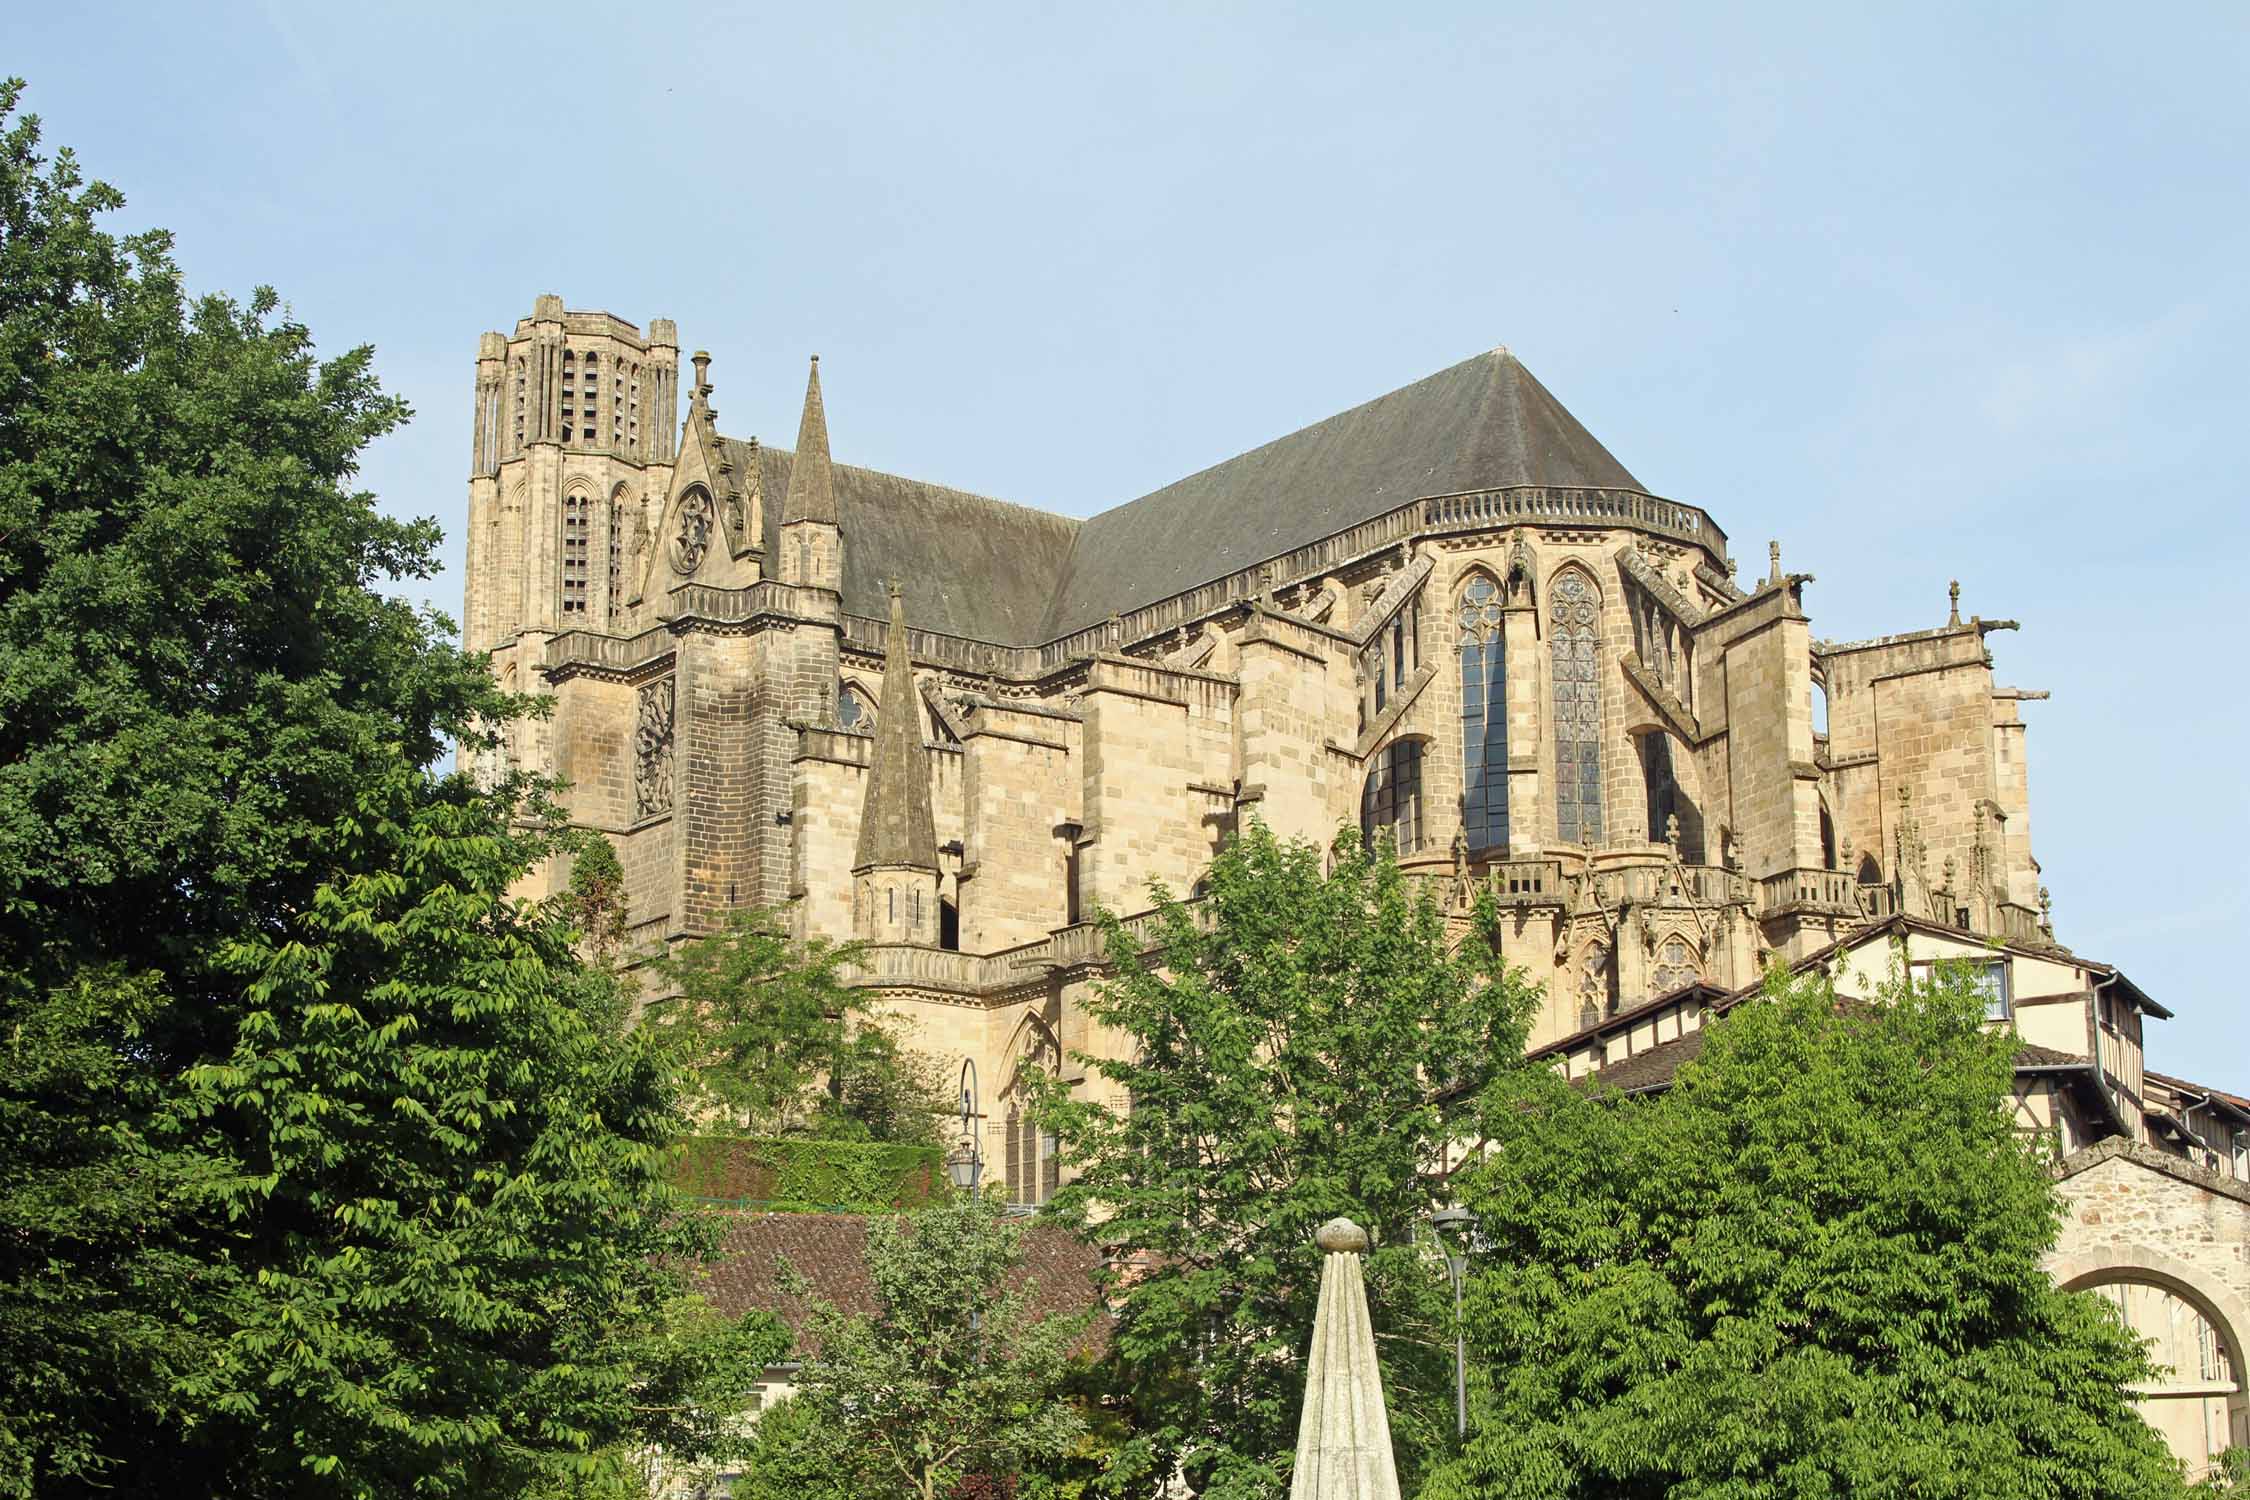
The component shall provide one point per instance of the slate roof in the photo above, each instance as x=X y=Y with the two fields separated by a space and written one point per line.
x=973 y=566
x=992 y=571
x=1482 y=424
x=830 y=1250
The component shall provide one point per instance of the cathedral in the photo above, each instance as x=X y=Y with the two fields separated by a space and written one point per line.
x=952 y=728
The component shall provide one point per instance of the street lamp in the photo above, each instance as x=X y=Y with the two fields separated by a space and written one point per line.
x=1457 y=1228
x=966 y=1165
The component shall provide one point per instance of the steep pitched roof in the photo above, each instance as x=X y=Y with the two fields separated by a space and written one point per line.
x=1483 y=424
x=1015 y=576
x=981 y=568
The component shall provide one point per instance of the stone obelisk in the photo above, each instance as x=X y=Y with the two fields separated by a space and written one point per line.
x=1344 y=1438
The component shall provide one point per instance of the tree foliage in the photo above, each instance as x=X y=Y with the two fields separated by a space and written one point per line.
x=1812 y=1268
x=1286 y=1044
x=953 y=1375
x=775 y=1042
x=325 y=1174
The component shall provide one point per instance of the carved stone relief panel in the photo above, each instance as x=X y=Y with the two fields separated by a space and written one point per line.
x=652 y=751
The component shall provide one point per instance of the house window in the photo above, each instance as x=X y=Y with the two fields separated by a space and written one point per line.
x=1484 y=715
x=1391 y=800
x=1574 y=619
x=1988 y=975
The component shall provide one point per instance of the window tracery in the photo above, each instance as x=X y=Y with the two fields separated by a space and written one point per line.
x=1484 y=714
x=1574 y=616
x=853 y=712
x=692 y=542
x=1676 y=967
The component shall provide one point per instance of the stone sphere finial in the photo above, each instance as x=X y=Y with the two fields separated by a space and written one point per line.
x=1341 y=1237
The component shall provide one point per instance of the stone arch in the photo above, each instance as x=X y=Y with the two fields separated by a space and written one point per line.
x=2224 y=1310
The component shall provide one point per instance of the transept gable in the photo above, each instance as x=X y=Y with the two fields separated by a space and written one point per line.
x=710 y=528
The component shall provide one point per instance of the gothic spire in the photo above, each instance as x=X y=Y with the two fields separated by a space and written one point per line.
x=812 y=486
x=895 y=827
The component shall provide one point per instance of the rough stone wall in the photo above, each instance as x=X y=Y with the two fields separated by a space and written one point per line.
x=717 y=700
x=1018 y=788
x=828 y=785
x=2134 y=1214
x=1299 y=692
x=1148 y=734
x=1764 y=657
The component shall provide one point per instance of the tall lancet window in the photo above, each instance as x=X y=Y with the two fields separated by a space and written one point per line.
x=1574 y=624
x=1484 y=715
x=617 y=552
x=577 y=540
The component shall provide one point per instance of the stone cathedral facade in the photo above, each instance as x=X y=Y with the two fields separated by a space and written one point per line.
x=953 y=727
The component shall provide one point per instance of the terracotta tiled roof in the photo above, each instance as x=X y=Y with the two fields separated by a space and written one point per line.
x=830 y=1251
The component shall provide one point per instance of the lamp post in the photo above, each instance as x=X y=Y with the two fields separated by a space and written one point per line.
x=966 y=1165
x=1457 y=1228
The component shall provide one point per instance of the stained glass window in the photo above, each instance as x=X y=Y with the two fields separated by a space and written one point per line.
x=1484 y=715
x=1573 y=614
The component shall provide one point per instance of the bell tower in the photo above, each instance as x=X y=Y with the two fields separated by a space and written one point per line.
x=576 y=433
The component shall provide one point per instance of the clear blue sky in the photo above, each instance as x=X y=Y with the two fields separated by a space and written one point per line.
x=1926 y=292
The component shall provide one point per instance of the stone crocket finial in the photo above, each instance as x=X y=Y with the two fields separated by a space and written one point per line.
x=1773 y=560
x=701 y=359
x=1953 y=595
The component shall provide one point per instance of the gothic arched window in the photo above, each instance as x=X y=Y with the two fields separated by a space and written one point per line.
x=617 y=552
x=1391 y=799
x=1484 y=715
x=853 y=711
x=578 y=542
x=1675 y=967
x=1574 y=636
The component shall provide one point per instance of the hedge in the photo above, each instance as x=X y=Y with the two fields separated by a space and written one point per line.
x=807 y=1176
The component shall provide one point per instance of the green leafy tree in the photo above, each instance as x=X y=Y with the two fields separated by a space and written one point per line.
x=450 y=1185
x=952 y=1376
x=1811 y=1268
x=198 y=678
x=326 y=1176
x=1287 y=1043
x=777 y=1043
